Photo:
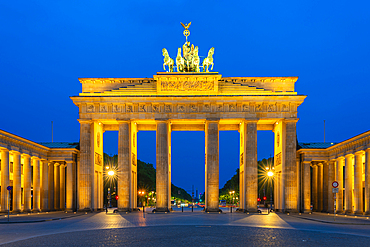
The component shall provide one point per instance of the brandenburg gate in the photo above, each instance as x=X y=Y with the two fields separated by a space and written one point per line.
x=187 y=100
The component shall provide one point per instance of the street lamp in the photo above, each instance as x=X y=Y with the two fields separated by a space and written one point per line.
x=270 y=174
x=111 y=174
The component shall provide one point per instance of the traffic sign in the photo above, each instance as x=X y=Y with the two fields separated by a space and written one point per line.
x=335 y=184
x=9 y=188
x=335 y=190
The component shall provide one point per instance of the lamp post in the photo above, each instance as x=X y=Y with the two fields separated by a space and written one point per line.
x=111 y=174
x=270 y=174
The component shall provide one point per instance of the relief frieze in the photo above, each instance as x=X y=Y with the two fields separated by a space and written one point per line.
x=187 y=85
x=90 y=108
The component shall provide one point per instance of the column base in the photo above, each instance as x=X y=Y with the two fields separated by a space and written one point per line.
x=124 y=210
x=69 y=210
x=26 y=210
x=213 y=210
x=2 y=211
x=290 y=211
x=359 y=212
x=367 y=213
x=35 y=210
x=161 y=210
x=306 y=211
x=16 y=211
x=348 y=212
x=85 y=210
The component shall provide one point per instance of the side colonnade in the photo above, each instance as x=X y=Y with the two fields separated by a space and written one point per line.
x=37 y=178
x=348 y=163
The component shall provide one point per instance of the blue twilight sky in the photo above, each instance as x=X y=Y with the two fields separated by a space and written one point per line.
x=46 y=45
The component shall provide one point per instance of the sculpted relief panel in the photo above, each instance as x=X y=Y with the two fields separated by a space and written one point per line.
x=189 y=107
x=187 y=85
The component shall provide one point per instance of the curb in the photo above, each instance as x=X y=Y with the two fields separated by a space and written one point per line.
x=331 y=222
x=37 y=221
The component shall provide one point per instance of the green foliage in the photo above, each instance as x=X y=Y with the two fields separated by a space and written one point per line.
x=146 y=178
x=180 y=193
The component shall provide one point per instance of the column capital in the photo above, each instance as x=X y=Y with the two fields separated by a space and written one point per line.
x=348 y=155
x=2 y=149
x=362 y=152
x=212 y=120
x=69 y=161
x=341 y=158
x=26 y=155
x=161 y=120
x=84 y=121
x=15 y=152
x=291 y=120
x=35 y=158
x=250 y=120
x=123 y=120
x=307 y=161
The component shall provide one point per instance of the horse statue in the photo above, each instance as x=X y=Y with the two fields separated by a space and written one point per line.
x=208 y=60
x=167 y=60
x=180 y=61
x=195 y=60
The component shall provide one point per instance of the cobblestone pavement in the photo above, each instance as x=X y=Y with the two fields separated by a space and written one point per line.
x=184 y=228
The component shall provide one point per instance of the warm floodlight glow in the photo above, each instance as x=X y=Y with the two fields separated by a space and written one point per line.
x=270 y=174
x=107 y=167
x=111 y=173
x=267 y=168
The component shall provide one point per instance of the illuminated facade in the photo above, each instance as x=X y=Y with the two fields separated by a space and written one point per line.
x=348 y=163
x=183 y=101
x=42 y=175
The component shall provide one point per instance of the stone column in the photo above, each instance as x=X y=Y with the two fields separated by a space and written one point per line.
x=51 y=187
x=320 y=194
x=45 y=186
x=329 y=187
x=357 y=187
x=250 y=166
x=56 y=186
x=325 y=175
x=36 y=184
x=70 y=181
x=349 y=185
x=124 y=166
x=62 y=187
x=86 y=168
x=290 y=168
x=162 y=174
x=17 y=182
x=340 y=180
x=4 y=179
x=27 y=182
x=314 y=188
x=306 y=186
x=367 y=181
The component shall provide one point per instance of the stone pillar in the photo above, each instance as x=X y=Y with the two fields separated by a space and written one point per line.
x=56 y=186
x=250 y=166
x=45 y=186
x=329 y=187
x=325 y=175
x=36 y=184
x=124 y=166
x=357 y=187
x=349 y=185
x=306 y=186
x=162 y=174
x=320 y=194
x=367 y=181
x=62 y=187
x=86 y=168
x=17 y=182
x=51 y=187
x=27 y=182
x=315 y=197
x=340 y=180
x=4 y=179
x=70 y=181
x=290 y=167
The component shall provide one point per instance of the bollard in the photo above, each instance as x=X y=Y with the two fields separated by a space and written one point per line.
x=192 y=208
x=231 y=210
x=182 y=209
